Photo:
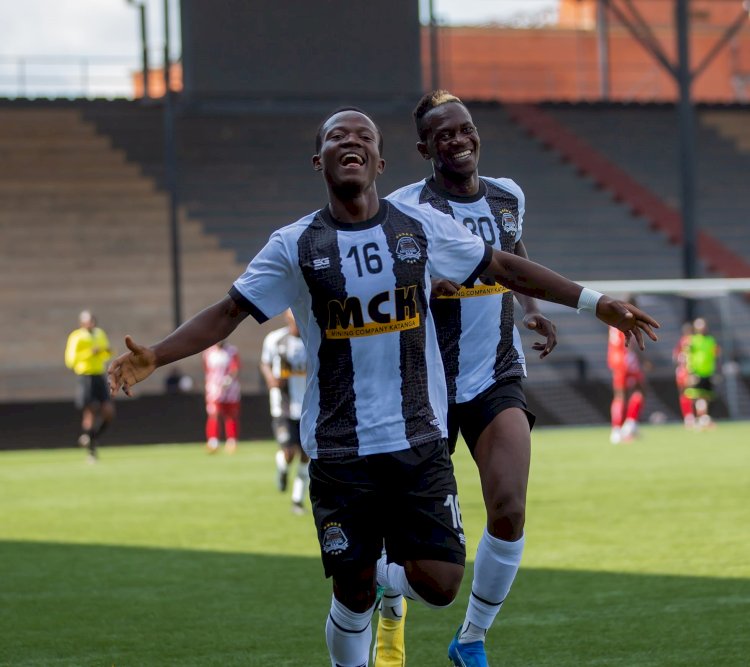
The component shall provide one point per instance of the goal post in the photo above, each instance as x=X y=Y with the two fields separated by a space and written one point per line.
x=688 y=288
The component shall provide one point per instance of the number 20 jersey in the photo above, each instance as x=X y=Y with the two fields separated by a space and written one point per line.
x=478 y=339
x=360 y=295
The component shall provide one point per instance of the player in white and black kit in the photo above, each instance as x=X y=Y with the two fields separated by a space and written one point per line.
x=482 y=354
x=356 y=275
x=283 y=364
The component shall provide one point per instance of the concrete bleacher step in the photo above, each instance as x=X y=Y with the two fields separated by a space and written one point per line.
x=567 y=403
x=732 y=125
x=101 y=170
x=92 y=250
x=102 y=224
x=74 y=184
x=150 y=216
x=74 y=148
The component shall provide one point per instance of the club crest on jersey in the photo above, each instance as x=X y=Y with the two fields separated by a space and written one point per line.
x=334 y=539
x=407 y=249
x=509 y=221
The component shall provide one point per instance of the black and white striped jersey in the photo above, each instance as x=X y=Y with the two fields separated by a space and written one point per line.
x=360 y=295
x=478 y=339
x=285 y=355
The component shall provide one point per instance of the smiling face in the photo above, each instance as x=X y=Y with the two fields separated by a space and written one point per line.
x=349 y=154
x=451 y=141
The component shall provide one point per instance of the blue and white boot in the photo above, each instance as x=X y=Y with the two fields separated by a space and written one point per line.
x=467 y=655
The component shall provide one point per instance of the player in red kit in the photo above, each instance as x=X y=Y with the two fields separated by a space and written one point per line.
x=221 y=363
x=627 y=388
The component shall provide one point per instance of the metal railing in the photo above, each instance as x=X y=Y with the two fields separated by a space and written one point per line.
x=68 y=76
x=85 y=76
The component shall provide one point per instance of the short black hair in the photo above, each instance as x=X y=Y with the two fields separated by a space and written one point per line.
x=319 y=133
x=429 y=102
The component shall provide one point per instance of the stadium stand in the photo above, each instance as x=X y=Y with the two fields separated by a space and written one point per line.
x=83 y=227
x=88 y=179
x=242 y=175
x=613 y=147
x=627 y=136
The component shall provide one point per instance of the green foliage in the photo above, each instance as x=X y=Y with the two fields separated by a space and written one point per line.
x=636 y=556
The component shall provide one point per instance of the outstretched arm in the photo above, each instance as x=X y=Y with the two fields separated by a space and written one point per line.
x=206 y=328
x=532 y=279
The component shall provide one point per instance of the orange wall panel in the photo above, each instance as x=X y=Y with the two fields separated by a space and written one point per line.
x=563 y=64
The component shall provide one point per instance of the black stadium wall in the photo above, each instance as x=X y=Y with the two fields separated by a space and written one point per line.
x=166 y=418
x=301 y=49
x=178 y=418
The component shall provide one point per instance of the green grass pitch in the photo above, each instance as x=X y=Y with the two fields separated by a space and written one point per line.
x=637 y=556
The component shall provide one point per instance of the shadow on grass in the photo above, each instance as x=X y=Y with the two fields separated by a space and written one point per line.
x=91 y=606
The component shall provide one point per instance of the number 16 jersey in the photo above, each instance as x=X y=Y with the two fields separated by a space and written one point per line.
x=359 y=293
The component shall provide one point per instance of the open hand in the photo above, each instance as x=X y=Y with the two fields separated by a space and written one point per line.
x=632 y=321
x=131 y=367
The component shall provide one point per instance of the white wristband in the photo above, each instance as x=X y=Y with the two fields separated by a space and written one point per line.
x=588 y=299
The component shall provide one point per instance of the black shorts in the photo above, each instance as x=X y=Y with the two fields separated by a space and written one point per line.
x=406 y=500
x=286 y=431
x=91 y=390
x=700 y=387
x=472 y=417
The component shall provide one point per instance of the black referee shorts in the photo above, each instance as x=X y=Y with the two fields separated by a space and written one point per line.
x=472 y=417
x=406 y=500
x=91 y=390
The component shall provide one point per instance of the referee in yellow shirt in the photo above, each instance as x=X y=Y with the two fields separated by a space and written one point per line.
x=86 y=354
